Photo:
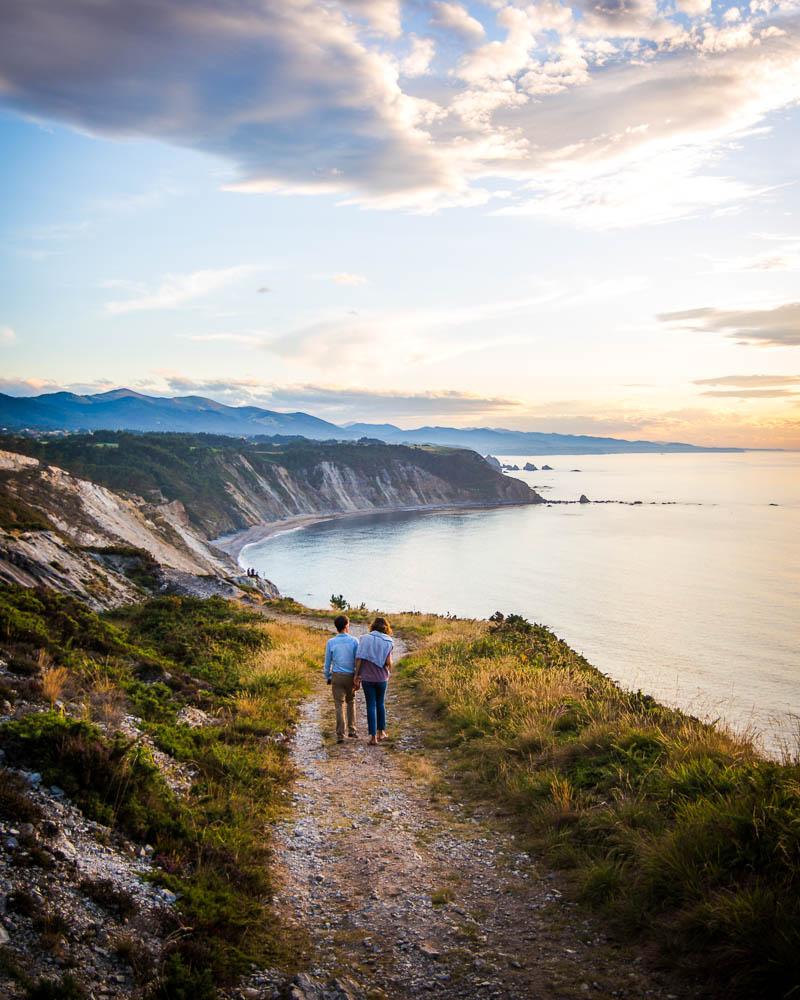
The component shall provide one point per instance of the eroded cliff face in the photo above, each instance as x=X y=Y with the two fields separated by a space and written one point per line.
x=87 y=530
x=275 y=493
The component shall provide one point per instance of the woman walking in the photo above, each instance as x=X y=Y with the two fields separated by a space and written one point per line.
x=373 y=667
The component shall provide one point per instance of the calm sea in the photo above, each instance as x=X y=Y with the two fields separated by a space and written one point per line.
x=693 y=597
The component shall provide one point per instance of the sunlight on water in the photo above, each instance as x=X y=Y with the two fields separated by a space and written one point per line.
x=696 y=602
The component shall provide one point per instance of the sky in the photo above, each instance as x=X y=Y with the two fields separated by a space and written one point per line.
x=575 y=217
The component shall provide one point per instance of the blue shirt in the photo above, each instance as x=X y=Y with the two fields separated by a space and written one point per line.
x=340 y=655
x=375 y=647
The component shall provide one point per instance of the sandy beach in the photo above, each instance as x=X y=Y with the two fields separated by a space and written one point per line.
x=234 y=544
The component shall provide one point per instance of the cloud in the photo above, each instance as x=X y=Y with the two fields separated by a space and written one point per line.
x=750 y=393
x=694 y=7
x=176 y=289
x=347 y=278
x=338 y=403
x=7 y=335
x=348 y=402
x=452 y=17
x=387 y=339
x=301 y=97
x=749 y=381
x=784 y=258
x=250 y=340
x=779 y=326
x=37 y=386
x=418 y=61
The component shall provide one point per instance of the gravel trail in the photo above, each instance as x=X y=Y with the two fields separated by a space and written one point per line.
x=406 y=895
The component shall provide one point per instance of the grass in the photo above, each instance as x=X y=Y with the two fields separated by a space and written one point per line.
x=675 y=830
x=211 y=846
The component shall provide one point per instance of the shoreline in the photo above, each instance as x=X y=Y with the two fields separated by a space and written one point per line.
x=235 y=543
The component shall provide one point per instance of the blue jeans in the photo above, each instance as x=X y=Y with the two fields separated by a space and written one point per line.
x=374 y=693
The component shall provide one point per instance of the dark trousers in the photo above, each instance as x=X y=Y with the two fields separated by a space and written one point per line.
x=374 y=693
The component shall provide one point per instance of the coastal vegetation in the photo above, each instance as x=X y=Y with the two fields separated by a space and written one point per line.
x=675 y=830
x=137 y=699
x=226 y=484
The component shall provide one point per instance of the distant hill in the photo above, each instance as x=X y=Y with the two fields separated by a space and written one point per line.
x=124 y=409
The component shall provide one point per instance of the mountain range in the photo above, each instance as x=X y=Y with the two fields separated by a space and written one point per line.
x=124 y=409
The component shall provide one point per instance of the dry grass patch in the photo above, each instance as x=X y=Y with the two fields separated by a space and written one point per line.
x=677 y=829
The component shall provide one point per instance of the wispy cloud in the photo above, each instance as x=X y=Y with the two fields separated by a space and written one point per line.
x=348 y=403
x=749 y=381
x=338 y=403
x=347 y=278
x=778 y=326
x=248 y=340
x=7 y=335
x=784 y=257
x=750 y=393
x=177 y=289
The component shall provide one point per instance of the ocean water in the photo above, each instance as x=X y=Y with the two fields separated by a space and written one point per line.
x=693 y=596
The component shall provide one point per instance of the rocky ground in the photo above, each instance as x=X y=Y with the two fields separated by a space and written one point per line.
x=74 y=898
x=404 y=894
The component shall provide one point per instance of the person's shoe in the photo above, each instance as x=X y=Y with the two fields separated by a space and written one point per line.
x=340 y=739
x=373 y=741
x=353 y=736
x=382 y=736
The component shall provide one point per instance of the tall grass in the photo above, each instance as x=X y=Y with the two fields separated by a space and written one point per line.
x=675 y=829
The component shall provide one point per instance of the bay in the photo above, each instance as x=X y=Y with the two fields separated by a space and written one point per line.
x=692 y=596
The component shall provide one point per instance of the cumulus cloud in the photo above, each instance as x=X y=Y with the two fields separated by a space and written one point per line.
x=779 y=326
x=7 y=335
x=303 y=98
x=418 y=61
x=177 y=289
x=452 y=17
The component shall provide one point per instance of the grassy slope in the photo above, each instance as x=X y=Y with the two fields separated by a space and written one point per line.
x=152 y=659
x=193 y=468
x=674 y=829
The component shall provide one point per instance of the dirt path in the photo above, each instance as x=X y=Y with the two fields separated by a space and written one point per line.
x=404 y=896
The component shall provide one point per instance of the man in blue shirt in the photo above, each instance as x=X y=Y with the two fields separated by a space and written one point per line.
x=340 y=665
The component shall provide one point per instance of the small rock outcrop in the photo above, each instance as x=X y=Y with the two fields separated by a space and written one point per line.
x=584 y=499
x=529 y=467
x=495 y=463
x=547 y=468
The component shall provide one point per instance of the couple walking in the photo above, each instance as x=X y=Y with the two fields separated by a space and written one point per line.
x=365 y=663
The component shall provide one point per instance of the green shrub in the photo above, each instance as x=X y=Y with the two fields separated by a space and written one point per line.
x=113 y=781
